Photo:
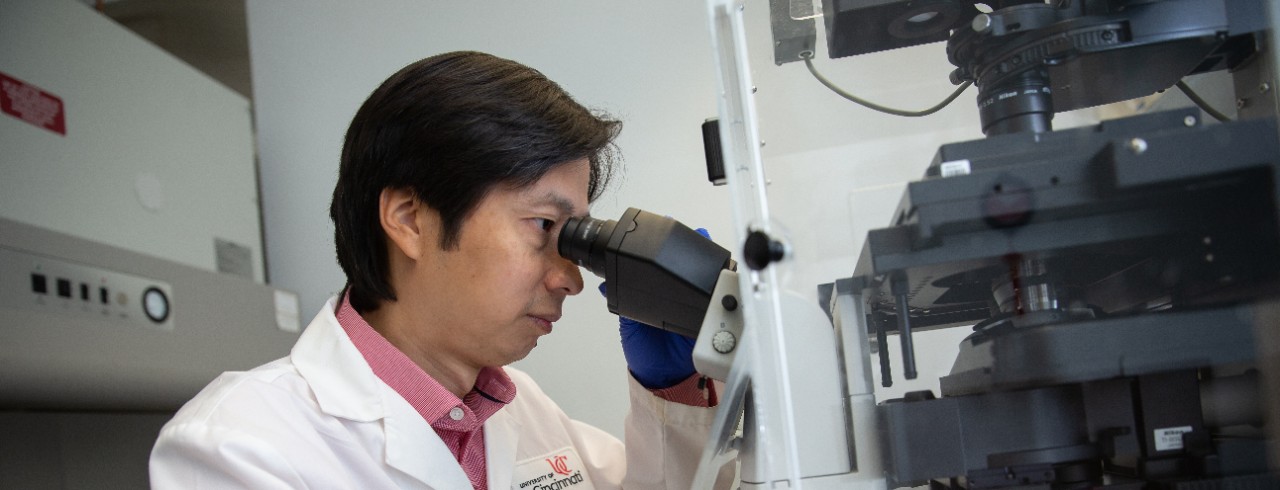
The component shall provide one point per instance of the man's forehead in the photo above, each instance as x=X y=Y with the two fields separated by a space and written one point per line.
x=564 y=187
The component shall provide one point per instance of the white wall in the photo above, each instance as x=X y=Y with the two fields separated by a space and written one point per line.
x=837 y=169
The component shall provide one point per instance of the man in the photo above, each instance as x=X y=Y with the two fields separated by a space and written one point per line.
x=456 y=176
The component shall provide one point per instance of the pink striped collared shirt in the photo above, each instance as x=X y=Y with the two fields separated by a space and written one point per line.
x=460 y=423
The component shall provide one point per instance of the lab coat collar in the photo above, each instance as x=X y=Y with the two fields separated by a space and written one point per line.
x=342 y=381
x=346 y=387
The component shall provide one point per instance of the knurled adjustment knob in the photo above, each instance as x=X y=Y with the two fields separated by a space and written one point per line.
x=724 y=341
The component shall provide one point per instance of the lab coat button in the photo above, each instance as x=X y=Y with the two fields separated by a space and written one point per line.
x=456 y=413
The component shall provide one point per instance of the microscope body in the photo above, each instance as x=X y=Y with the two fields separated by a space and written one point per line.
x=1117 y=277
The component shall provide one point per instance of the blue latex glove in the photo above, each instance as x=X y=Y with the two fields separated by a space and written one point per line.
x=657 y=358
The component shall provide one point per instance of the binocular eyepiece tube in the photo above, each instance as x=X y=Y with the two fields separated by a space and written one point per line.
x=659 y=271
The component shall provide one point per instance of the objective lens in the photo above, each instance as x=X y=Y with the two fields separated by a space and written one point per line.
x=583 y=241
x=1023 y=103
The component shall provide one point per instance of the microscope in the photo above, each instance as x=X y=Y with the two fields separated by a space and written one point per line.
x=1121 y=280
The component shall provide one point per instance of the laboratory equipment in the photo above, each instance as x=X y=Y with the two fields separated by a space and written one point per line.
x=1117 y=277
x=664 y=274
x=131 y=269
x=130 y=241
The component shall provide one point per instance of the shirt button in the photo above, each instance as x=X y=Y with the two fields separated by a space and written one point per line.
x=456 y=413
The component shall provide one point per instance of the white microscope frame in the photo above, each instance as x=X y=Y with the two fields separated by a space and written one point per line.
x=806 y=387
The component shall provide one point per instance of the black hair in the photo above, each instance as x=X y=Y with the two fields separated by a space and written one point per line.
x=450 y=128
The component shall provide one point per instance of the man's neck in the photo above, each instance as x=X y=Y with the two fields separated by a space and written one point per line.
x=396 y=326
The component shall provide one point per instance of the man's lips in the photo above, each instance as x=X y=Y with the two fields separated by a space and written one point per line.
x=545 y=321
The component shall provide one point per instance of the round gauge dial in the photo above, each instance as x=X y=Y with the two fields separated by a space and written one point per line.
x=155 y=304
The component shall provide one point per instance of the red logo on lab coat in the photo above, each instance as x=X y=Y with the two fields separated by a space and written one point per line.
x=559 y=464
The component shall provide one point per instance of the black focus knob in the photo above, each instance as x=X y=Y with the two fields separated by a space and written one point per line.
x=729 y=302
x=759 y=251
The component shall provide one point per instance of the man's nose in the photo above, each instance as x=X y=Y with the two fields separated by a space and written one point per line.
x=565 y=277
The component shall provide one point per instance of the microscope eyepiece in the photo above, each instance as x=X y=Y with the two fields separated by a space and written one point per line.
x=659 y=271
x=583 y=241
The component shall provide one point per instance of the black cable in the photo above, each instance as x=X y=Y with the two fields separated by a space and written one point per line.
x=808 y=61
x=1199 y=102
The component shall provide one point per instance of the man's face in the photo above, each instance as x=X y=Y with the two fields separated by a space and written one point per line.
x=488 y=300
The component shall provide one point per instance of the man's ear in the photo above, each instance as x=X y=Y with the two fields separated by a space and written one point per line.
x=407 y=221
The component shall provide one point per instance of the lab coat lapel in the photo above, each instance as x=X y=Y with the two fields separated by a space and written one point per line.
x=414 y=447
x=344 y=384
x=501 y=436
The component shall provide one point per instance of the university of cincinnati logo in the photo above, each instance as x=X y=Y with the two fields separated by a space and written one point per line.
x=550 y=481
x=559 y=464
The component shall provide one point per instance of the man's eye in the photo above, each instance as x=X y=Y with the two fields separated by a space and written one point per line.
x=544 y=223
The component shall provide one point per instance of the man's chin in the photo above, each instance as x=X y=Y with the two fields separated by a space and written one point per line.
x=521 y=355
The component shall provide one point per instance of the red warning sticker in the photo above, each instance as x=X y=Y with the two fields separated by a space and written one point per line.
x=28 y=103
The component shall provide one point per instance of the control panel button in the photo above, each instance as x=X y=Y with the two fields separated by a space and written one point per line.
x=39 y=284
x=64 y=288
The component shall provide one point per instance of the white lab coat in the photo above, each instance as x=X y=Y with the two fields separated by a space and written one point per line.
x=320 y=418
